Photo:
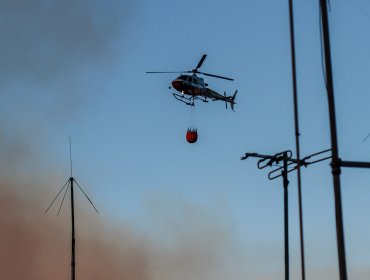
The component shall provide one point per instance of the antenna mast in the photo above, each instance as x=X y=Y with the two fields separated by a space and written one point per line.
x=70 y=183
x=73 y=258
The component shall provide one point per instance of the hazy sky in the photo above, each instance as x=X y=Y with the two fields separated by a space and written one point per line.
x=77 y=68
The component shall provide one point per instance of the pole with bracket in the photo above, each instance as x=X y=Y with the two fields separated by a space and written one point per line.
x=287 y=160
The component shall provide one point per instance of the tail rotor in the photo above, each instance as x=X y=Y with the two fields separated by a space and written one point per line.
x=232 y=100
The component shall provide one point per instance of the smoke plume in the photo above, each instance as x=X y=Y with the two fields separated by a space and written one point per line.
x=36 y=246
x=44 y=41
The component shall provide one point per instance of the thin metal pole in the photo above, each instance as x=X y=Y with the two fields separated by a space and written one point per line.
x=286 y=216
x=73 y=262
x=335 y=164
x=70 y=153
x=297 y=134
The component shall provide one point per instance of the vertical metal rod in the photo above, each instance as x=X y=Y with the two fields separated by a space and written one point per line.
x=70 y=153
x=297 y=134
x=334 y=143
x=286 y=216
x=73 y=262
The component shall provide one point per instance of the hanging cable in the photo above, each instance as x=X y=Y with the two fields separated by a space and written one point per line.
x=192 y=117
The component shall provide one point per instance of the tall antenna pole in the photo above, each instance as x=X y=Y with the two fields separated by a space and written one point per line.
x=284 y=174
x=73 y=261
x=73 y=251
x=70 y=183
x=277 y=159
x=297 y=134
x=335 y=164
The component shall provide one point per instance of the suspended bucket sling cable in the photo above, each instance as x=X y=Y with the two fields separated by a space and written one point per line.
x=192 y=133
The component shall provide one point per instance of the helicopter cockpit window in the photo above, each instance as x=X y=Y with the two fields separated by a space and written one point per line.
x=183 y=77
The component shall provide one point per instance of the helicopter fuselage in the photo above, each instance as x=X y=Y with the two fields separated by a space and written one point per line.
x=195 y=86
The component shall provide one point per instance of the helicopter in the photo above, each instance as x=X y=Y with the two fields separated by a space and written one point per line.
x=191 y=87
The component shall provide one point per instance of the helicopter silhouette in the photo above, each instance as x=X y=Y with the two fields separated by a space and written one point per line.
x=191 y=87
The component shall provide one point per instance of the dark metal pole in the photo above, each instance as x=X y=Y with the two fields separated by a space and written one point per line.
x=297 y=134
x=355 y=164
x=286 y=216
x=73 y=263
x=335 y=164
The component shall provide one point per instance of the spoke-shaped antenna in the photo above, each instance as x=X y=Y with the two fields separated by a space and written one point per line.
x=66 y=186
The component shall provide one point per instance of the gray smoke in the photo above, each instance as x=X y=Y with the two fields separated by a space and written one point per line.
x=52 y=57
x=47 y=40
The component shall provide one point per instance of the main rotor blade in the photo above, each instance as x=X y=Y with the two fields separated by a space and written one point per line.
x=216 y=76
x=200 y=62
x=168 y=72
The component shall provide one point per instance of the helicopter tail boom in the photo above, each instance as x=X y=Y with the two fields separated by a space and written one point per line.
x=228 y=99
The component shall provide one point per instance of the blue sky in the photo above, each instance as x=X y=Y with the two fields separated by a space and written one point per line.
x=78 y=69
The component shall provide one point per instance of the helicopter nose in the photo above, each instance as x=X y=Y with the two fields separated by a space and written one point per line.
x=177 y=85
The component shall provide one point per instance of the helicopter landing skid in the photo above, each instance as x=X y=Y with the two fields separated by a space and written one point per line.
x=189 y=100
